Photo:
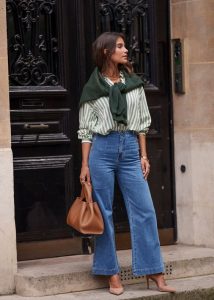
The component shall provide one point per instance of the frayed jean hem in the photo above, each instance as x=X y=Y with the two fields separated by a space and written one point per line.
x=148 y=271
x=105 y=272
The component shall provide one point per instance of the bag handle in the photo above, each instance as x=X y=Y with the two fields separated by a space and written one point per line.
x=86 y=192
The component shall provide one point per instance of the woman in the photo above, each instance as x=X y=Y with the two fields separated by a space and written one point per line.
x=114 y=120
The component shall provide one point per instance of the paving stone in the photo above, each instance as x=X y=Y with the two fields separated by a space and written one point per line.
x=73 y=273
x=192 y=288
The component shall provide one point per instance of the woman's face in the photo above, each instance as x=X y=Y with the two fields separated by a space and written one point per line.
x=120 y=55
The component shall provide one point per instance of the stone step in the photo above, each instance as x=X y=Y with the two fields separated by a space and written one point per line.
x=73 y=273
x=192 y=288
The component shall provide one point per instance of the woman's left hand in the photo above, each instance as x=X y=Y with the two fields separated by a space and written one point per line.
x=145 y=167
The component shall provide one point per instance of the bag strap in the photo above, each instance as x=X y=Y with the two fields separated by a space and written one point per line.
x=86 y=192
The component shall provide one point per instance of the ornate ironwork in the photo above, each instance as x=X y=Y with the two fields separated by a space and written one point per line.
x=131 y=18
x=33 y=44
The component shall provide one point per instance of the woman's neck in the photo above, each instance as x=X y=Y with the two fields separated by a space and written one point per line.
x=112 y=72
x=115 y=78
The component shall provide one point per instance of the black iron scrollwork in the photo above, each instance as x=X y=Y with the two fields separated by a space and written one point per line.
x=131 y=18
x=33 y=44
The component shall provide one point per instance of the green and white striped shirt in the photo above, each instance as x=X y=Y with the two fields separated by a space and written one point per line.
x=95 y=116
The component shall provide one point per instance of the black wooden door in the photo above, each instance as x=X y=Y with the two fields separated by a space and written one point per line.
x=49 y=49
x=44 y=85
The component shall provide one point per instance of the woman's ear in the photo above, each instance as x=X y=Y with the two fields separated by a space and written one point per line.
x=105 y=51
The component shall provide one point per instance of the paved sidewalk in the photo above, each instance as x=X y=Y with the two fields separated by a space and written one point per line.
x=199 y=287
x=68 y=274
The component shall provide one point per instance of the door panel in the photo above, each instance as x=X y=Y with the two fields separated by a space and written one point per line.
x=44 y=111
x=49 y=50
x=43 y=194
x=39 y=126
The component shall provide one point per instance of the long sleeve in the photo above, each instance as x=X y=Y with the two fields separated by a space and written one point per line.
x=87 y=120
x=145 y=118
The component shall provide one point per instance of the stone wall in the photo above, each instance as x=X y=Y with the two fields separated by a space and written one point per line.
x=8 y=260
x=192 y=20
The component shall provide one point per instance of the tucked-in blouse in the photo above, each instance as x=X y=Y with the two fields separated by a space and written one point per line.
x=95 y=115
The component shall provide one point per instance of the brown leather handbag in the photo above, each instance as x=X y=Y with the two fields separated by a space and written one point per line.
x=84 y=214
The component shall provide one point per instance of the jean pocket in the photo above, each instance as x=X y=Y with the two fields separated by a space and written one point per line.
x=98 y=143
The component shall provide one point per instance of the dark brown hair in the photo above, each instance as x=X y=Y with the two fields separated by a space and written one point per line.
x=107 y=40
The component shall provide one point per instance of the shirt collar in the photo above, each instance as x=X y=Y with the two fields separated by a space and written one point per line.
x=122 y=79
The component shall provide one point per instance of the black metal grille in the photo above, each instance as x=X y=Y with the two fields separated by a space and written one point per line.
x=32 y=43
x=130 y=17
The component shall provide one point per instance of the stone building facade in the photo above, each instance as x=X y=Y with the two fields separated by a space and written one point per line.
x=7 y=225
x=192 y=21
x=194 y=122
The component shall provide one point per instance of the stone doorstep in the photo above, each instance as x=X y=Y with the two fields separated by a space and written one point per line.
x=191 y=288
x=73 y=273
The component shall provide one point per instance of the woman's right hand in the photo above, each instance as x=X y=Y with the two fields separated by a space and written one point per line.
x=85 y=174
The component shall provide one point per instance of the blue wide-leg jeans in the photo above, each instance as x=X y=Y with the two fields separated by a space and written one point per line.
x=117 y=155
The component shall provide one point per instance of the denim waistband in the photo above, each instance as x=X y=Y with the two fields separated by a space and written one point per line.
x=118 y=132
